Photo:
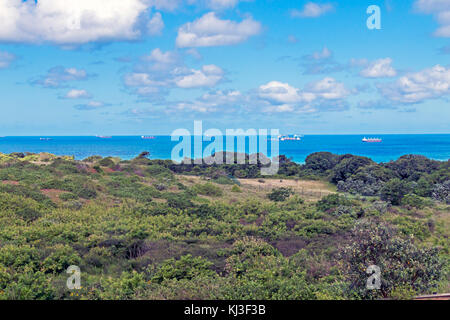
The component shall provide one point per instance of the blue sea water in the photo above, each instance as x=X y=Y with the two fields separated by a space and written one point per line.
x=434 y=146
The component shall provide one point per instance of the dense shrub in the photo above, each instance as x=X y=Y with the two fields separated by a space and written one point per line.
x=402 y=263
x=394 y=190
x=208 y=189
x=413 y=200
x=107 y=162
x=348 y=166
x=332 y=201
x=235 y=188
x=280 y=194
x=441 y=192
x=187 y=267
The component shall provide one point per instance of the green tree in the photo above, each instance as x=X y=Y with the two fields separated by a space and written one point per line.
x=394 y=190
x=280 y=194
x=403 y=265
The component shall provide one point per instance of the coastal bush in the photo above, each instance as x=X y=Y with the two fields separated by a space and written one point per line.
x=394 y=190
x=347 y=166
x=441 y=192
x=24 y=208
x=187 y=267
x=332 y=201
x=68 y=196
x=132 y=241
x=106 y=162
x=27 y=192
x=280 y=194
x=413 y=200
x=403 y=264
x=208 y=189
x=321 y=162
x=235 y=188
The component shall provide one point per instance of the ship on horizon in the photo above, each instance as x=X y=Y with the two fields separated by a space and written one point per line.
x=370 y=140
x=290 y=137
x=147 y=137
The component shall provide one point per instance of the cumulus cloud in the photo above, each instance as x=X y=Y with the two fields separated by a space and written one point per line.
x=160 y=71
x=208 y=76
x=283 y=93
x=59 y=76
x=77 y=94
x=209 y=30
x=6 y=59
x=325 y=94
x=158 y=60
x=440 y=9
x=380 y=68
x=312 y=10
x=155 y=25
x=328 y=88
x=431 y=83
x=73 y=22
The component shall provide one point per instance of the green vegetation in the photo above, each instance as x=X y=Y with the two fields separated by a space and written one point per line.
x=152 y=229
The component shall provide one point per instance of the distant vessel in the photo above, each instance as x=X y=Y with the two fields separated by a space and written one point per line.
x=371 y=139
x=147 y=137
x=104 y=137
x=290 y=137
x=45 y=139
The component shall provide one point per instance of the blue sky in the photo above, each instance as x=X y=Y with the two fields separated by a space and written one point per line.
x=86 y=67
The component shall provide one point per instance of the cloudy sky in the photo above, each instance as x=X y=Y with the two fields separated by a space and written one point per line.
x=126 y=67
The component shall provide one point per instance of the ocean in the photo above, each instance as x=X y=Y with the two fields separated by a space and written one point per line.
x=434 y=146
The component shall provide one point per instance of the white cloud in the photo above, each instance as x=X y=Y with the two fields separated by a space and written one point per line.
x=208 y=76
x=440 y=9
x=281 y=93
x=77 y=94
x=417 y=87
x=73 y=21
x=329 y=89
x=160 y=71
x=312 y=10
x=326 y=94
x=155 y=25
x=58 y=76
x=142 y=80
x=380 y=68
x=6 y=59
x=161 y=60
x=210 y=31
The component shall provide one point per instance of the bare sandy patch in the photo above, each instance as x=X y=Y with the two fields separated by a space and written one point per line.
x=11 y=182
